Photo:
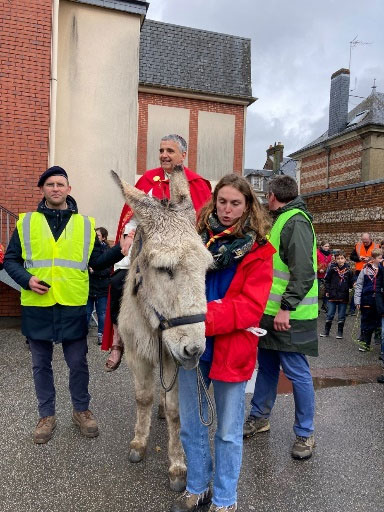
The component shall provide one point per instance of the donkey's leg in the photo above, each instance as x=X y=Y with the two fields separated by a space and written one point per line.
x=177 y=468
x=144 y=384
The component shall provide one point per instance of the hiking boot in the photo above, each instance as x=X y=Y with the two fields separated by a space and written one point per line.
x=217 y=508
x=254 y=425
x=44 y=430
x=86 y=422
x=189 y=502
x=303 y=447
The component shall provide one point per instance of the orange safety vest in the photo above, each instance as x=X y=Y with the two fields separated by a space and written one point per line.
x=362 y=251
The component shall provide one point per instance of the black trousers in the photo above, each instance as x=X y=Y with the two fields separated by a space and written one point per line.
x=116 y=292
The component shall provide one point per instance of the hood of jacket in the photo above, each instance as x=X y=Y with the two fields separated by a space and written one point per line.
x=298 y=202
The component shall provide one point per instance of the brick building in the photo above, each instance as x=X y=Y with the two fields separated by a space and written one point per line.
x=341 y=173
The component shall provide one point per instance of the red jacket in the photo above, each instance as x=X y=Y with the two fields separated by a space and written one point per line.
x=322 y=263
x=153 y=179
x=235 y=349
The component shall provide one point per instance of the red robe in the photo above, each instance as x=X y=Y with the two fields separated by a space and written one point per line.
x=155 y=179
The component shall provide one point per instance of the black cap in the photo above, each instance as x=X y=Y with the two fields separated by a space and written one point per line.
x=51 y=171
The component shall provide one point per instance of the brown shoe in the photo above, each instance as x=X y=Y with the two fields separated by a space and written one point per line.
x=111 y=365
x=44 y=429
x=86 y=422
x=188 y=502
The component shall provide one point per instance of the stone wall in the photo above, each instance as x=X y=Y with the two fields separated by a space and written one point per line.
x=341 y=215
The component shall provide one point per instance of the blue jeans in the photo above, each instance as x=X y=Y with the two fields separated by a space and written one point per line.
x=75 y=354
x=341 y=311
x=296 y=369
x=229 y=399
x=382 y=336
x=100 y=303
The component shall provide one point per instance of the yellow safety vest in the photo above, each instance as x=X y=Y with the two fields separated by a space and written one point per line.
x=62 y=263
x=308 y=307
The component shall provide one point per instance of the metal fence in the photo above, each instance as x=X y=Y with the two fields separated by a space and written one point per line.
x=7 y=225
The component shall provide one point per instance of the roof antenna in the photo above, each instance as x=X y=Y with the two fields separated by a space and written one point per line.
x=352 y=44
x=374 y=86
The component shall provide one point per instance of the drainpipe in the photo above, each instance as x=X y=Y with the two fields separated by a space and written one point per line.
x=53 y=80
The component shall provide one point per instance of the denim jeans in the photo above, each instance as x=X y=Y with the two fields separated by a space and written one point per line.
x=296 y=369
x=229 y=400
x=382 y=336
x=100 y=303
x=75 y=354
x=341 y=311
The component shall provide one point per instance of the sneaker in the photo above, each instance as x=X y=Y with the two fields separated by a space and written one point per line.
x=44 y=430
x=189 y=502
x=364 y=348
x=338 y=337
x=380 y=379
x=86 y=422
x=324 y=335
x=254 y=425
x=214 y=508
x=99 y=339
x=303 y=447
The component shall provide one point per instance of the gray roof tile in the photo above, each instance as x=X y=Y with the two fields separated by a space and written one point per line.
x=374 y=103
x=197 y=60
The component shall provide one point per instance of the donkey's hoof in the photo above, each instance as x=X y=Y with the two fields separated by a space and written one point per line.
x=161 y=412
x=177 y=483
x=136 y=455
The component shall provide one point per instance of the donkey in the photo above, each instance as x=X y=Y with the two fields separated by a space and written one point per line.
x=163 y=302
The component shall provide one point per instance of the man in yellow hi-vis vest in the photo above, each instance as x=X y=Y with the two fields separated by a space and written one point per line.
x=48 y=256
x=290 y=317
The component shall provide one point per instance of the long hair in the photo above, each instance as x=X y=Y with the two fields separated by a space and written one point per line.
x=255 y=216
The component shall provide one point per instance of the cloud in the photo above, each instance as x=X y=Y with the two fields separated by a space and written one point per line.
x=296 y=46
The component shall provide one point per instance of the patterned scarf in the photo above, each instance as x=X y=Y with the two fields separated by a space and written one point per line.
x=225 y=248
x=371 y=271
x=341 y=271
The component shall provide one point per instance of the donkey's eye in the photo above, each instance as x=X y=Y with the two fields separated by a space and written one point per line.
x=166 y=270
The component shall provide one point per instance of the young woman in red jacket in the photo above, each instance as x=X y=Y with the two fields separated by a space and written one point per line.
x=324 y=258
x=233 y=225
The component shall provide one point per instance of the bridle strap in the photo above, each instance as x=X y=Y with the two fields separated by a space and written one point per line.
x=166 y=323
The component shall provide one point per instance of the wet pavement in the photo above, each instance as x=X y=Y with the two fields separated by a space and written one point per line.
x=72 y=473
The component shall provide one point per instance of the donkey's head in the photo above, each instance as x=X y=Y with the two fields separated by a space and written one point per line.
x=170 y=267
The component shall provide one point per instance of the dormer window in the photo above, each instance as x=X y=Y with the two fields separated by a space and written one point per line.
x=358 y=118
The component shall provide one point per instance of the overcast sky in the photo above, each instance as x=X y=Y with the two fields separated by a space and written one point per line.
x=296 y=46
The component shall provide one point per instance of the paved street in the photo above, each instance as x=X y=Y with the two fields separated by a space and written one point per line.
x=71 y=473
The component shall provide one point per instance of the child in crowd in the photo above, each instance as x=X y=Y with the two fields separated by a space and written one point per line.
x=380 y=308
x=338 y=281
x=365 y=291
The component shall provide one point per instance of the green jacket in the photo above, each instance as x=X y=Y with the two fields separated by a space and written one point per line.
x=295 y=250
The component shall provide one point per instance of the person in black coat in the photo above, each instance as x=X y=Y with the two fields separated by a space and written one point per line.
x=64 y=322
x=338 y=282
x=99 y=281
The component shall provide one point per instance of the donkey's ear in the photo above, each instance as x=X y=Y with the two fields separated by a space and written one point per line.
x=142 y=204
x=179 y=187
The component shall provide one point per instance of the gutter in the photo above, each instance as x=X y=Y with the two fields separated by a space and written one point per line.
x=53 y=80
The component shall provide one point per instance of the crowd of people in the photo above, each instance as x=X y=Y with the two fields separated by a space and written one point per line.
x=357 y=283
x=263 y=275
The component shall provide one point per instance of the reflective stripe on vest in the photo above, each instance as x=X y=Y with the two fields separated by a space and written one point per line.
x=359 y=265
x=62 y=263
x=308 y=307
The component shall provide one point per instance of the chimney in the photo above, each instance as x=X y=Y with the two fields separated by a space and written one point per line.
x=338 y=102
